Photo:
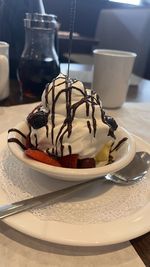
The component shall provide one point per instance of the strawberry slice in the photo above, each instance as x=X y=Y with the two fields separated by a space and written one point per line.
x=69 y=161
x=42 y=157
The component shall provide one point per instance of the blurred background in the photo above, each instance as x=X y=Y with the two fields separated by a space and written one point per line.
x=121 y=25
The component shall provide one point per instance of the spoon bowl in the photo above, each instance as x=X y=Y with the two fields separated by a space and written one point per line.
x=133 y=172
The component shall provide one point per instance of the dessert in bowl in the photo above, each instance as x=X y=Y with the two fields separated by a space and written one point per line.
x=69 y=136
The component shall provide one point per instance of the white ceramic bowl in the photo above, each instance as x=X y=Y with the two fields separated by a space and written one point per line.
x=123 y=156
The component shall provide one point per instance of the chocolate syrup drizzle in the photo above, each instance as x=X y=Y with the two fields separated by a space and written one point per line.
x=119 y=144
x=89 y=100
x=17 y=131
x=16 y=140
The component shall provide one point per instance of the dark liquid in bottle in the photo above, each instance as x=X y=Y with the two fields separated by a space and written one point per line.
x=33 y=75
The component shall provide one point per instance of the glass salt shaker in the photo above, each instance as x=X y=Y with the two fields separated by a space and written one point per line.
x=39 y=62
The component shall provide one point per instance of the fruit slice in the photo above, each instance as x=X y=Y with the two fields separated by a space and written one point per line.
x=69 y=161
x=103 y=154
x=42 y=157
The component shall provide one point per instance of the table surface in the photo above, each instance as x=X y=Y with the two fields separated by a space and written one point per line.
x=10 y=238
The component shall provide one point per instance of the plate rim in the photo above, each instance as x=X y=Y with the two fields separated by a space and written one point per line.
x=73 y=231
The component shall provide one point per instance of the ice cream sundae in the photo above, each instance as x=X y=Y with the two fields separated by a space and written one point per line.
x=70 y=128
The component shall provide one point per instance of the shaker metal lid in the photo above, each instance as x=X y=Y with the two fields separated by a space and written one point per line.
x=40 y=21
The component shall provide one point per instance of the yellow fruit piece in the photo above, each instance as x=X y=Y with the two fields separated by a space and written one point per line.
x=103 y=154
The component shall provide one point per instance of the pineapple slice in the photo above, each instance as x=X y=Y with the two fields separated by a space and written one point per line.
x=103 y=154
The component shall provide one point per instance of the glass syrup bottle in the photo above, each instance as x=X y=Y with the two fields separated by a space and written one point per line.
x=39 y=62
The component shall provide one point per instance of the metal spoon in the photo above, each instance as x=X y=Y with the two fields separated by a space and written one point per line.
x=133 y=172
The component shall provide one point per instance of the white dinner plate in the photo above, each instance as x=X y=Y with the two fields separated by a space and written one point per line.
x=103 y=214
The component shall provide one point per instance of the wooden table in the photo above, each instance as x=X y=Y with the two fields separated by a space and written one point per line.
x=139 y=93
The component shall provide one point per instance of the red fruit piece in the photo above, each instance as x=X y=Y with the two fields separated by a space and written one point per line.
x=69 y=161
x=42 y=157
x=86 y=163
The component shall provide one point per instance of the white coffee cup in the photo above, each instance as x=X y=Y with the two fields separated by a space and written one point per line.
x=112 y=70
x=4 y=70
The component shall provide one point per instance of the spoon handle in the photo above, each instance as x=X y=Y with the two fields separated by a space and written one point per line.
x=19 y=206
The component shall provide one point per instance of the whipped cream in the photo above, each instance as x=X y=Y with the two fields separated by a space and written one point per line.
x=75 y=121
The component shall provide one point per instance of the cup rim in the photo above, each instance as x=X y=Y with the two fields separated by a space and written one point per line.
x=113 y=52
x=3 y=44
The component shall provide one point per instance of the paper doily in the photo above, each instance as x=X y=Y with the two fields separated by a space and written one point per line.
x=101 y=202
